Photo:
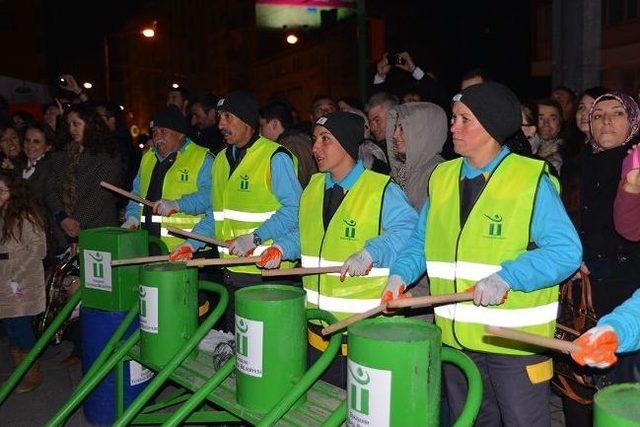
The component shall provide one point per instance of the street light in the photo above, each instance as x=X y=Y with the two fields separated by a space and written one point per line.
x=150 y=32
x=87 y=85
x=175 y=85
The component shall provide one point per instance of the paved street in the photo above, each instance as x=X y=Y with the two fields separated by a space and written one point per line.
x=35 y=408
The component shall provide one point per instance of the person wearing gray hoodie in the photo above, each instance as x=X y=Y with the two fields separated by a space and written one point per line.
x=415 y=134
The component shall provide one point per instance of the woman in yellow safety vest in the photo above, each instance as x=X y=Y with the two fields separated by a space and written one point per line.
x=493 y=220
x=349 y=217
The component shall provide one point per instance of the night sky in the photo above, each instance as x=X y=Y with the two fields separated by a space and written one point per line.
x=447 y=38
x=450 y=38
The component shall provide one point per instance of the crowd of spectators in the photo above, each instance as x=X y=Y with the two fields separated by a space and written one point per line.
x=51 y=170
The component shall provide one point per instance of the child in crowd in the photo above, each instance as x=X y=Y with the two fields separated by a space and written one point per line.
x=22 y=287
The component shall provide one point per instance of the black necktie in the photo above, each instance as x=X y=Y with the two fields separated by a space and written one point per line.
x=332 y=199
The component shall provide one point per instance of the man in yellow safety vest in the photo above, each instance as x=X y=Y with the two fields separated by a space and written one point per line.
x=349 y=217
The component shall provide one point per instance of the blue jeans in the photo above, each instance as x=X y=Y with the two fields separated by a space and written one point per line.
x=19 y=331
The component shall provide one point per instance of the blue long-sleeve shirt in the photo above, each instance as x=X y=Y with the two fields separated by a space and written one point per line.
x=398 y=221
x=203 y=182
x=558 y=253
x=625 y=319
x=286 y=188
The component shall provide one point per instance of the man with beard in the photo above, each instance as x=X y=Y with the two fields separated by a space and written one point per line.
x=175 y=172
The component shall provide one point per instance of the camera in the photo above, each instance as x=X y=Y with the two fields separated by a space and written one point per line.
x=395 y=59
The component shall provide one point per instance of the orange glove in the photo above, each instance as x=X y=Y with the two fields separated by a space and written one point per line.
x=597 y=347
x=388 y=295
x=270 y=258
x=183 y=252
x=394 y=289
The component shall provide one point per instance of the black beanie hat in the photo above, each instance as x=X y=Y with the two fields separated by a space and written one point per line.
x=171 y=118
x=241 y=104
x=347 y=128
x=496 y=107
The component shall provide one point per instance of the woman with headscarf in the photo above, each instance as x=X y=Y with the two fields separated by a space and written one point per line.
x=493 y=223
x=612 y=261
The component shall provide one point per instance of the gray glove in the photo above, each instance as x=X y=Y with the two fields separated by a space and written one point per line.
x=357 y=264
x=131 y=223
x=491 y=290
x=242 y=245
x=166 y=207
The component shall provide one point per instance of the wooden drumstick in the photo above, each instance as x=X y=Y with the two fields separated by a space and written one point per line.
x=353 y=319
x=526 y=337
x=139 y=260
x=430 y=300
x=398 y=303
x=202 y=262
x=126 y=194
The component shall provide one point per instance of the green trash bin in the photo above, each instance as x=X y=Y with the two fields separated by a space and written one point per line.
x=103 y=287
x=617 y=406
x=168 y=310
x=271 y=343
x=393 y=373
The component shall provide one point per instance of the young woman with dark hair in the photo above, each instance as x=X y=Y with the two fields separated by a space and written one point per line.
x=22 y=288
x=74 y=195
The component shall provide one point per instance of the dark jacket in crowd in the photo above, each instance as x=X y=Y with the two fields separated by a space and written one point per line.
x=37 y=181
x=95 y=206
x=210 y=138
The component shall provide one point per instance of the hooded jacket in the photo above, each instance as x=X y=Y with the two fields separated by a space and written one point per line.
x=425 y=131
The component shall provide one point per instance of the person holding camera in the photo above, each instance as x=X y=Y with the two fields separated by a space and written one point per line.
x=425 y=83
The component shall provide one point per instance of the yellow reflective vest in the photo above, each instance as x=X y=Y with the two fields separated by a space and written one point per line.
x=357 y=219
x=497 y=230
x=181 y=179
x=243 y=200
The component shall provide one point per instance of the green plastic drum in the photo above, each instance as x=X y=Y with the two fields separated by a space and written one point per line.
x=271 y=343
x=393 y=373
x=168 y=310
x=617 y=405
x=103 y=287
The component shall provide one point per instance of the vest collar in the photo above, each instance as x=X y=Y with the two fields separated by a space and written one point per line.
x=469 y=171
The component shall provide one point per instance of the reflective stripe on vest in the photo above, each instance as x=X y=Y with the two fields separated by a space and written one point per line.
x=312 y=261
x=242 y=216
x=497 y=230
x=356 y=221
x=513 y=318
x=461 y=269
x=181 y=179
x=242 y=201
x=342 y=305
